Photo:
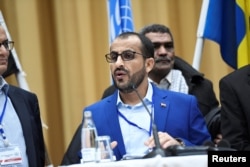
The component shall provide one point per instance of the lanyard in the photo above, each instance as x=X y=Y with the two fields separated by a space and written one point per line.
x=135 y=125
x=6 y=143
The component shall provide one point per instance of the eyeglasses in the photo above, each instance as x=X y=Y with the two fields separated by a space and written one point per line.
x=7 y=44
x=126 y=56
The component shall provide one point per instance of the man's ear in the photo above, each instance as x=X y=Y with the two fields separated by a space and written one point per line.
x=150 y=62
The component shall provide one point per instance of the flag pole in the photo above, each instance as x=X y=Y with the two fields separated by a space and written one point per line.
x=120 y=19
x=200 y=39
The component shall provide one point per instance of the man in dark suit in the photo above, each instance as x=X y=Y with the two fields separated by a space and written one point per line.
x=20 y=124
x=235 y=108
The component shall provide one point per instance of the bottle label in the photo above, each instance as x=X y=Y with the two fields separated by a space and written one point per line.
x=88 y=137
x=88 y=154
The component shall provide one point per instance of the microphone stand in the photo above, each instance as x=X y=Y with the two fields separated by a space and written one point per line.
x=157 y=150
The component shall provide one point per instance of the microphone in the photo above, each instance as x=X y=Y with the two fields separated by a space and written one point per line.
x=177 y=150
x=157 y=150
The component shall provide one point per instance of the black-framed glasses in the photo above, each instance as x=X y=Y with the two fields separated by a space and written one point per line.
x=125 y=55
x=7 y=44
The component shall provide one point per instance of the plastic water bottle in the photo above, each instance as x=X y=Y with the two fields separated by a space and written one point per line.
x=88 y=138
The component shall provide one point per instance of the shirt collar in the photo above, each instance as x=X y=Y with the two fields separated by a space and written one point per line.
x=168 y=77
x=148 y=96
x=4 y=87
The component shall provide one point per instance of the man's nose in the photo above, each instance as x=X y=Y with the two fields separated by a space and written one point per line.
x=162 y=50
x=2 y=47
x=119 y=61
x=3 y=51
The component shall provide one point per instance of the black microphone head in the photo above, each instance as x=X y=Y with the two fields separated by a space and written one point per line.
x=177 y=150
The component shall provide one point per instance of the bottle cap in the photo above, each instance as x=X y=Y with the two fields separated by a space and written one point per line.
x=87 y=114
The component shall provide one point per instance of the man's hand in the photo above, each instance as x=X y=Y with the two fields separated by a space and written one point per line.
x=113 y=144
x=165 y=140
x=218 y=138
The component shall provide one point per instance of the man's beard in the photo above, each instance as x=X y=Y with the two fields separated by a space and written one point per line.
x=134 y=81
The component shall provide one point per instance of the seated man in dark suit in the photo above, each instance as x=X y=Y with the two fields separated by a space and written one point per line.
x=235 y=108
x=189 y=80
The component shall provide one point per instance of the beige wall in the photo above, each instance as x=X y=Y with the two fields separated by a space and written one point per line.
x=61 y=46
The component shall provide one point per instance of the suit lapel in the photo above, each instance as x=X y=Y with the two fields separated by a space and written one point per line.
x=19 y=105
x=23 y=115
x=114 y=125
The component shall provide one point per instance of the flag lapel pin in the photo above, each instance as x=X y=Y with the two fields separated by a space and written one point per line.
x=163 y=105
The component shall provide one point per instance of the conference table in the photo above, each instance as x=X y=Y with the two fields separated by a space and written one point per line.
x=172 y=161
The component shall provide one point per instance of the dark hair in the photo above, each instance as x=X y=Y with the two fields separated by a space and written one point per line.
x=147 y=48
x=156 y=28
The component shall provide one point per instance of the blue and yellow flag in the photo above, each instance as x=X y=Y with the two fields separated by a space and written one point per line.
x=120 y=17
x=227 y=23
